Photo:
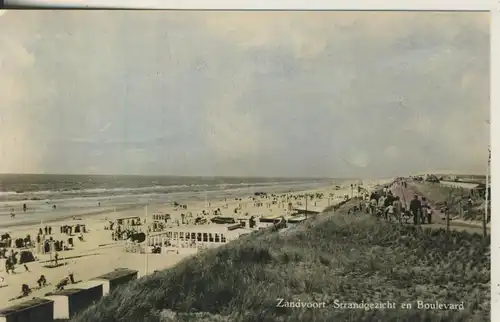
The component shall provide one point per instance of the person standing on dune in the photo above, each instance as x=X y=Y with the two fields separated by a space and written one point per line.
x=423 y=213
x=398 y=208
x=415 y=208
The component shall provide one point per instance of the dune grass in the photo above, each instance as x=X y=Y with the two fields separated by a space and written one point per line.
x=342 y=257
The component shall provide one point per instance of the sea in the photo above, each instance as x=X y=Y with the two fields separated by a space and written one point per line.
x=50 y=197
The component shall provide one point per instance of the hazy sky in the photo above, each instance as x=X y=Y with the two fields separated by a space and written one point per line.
x=333 y=94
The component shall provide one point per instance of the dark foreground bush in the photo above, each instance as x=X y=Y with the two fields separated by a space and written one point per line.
x=334 y=257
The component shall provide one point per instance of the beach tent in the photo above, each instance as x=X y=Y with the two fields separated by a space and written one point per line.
x=26 y=257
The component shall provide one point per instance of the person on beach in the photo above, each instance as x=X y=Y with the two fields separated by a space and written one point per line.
x=252 y=222
x=42 y=281
x=25 y=290
x=71 y=277
x=62 y=283
x=415 y=209
x=367 y=205
x=381 y=201
x=398 y=208
x=429 y=214
x=373 y=206
x=8 y=266
x=423 y=212
x=389 y=213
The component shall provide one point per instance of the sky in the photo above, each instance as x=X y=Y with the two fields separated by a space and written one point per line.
x=299 y=94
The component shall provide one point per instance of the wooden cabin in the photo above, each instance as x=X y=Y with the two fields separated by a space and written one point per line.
x=35 y=310
x=74 y=299
x=112 y=280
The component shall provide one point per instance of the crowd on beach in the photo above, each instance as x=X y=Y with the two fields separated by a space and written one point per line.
x=238 y=213
x=19 y=252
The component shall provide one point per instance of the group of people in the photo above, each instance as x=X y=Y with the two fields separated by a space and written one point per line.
x=47 y=230
x=13 y=258
x=383 y=204
x=11 y=262
x=42 y=282
x=420 y=210
x=26 y=290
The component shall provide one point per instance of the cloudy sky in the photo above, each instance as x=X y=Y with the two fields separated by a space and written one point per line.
x=334 y=94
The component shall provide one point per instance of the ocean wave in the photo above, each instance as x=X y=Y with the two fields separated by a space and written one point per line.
x=43 y=195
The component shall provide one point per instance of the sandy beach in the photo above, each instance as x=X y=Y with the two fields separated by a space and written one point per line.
x=98 y=253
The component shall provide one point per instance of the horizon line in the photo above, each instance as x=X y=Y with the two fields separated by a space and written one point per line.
x=175 y=175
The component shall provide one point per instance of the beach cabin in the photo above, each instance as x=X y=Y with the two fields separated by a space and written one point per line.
x=128 y=221
x=160 y=217
x=112 y=280
x=35 y=310
x=194 y=237
x=74 y=299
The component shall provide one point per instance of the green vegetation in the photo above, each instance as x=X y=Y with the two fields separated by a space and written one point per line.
x=350 y=258
x=456 y=198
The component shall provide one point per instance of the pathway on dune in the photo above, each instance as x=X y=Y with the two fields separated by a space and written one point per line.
x=438 y=219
